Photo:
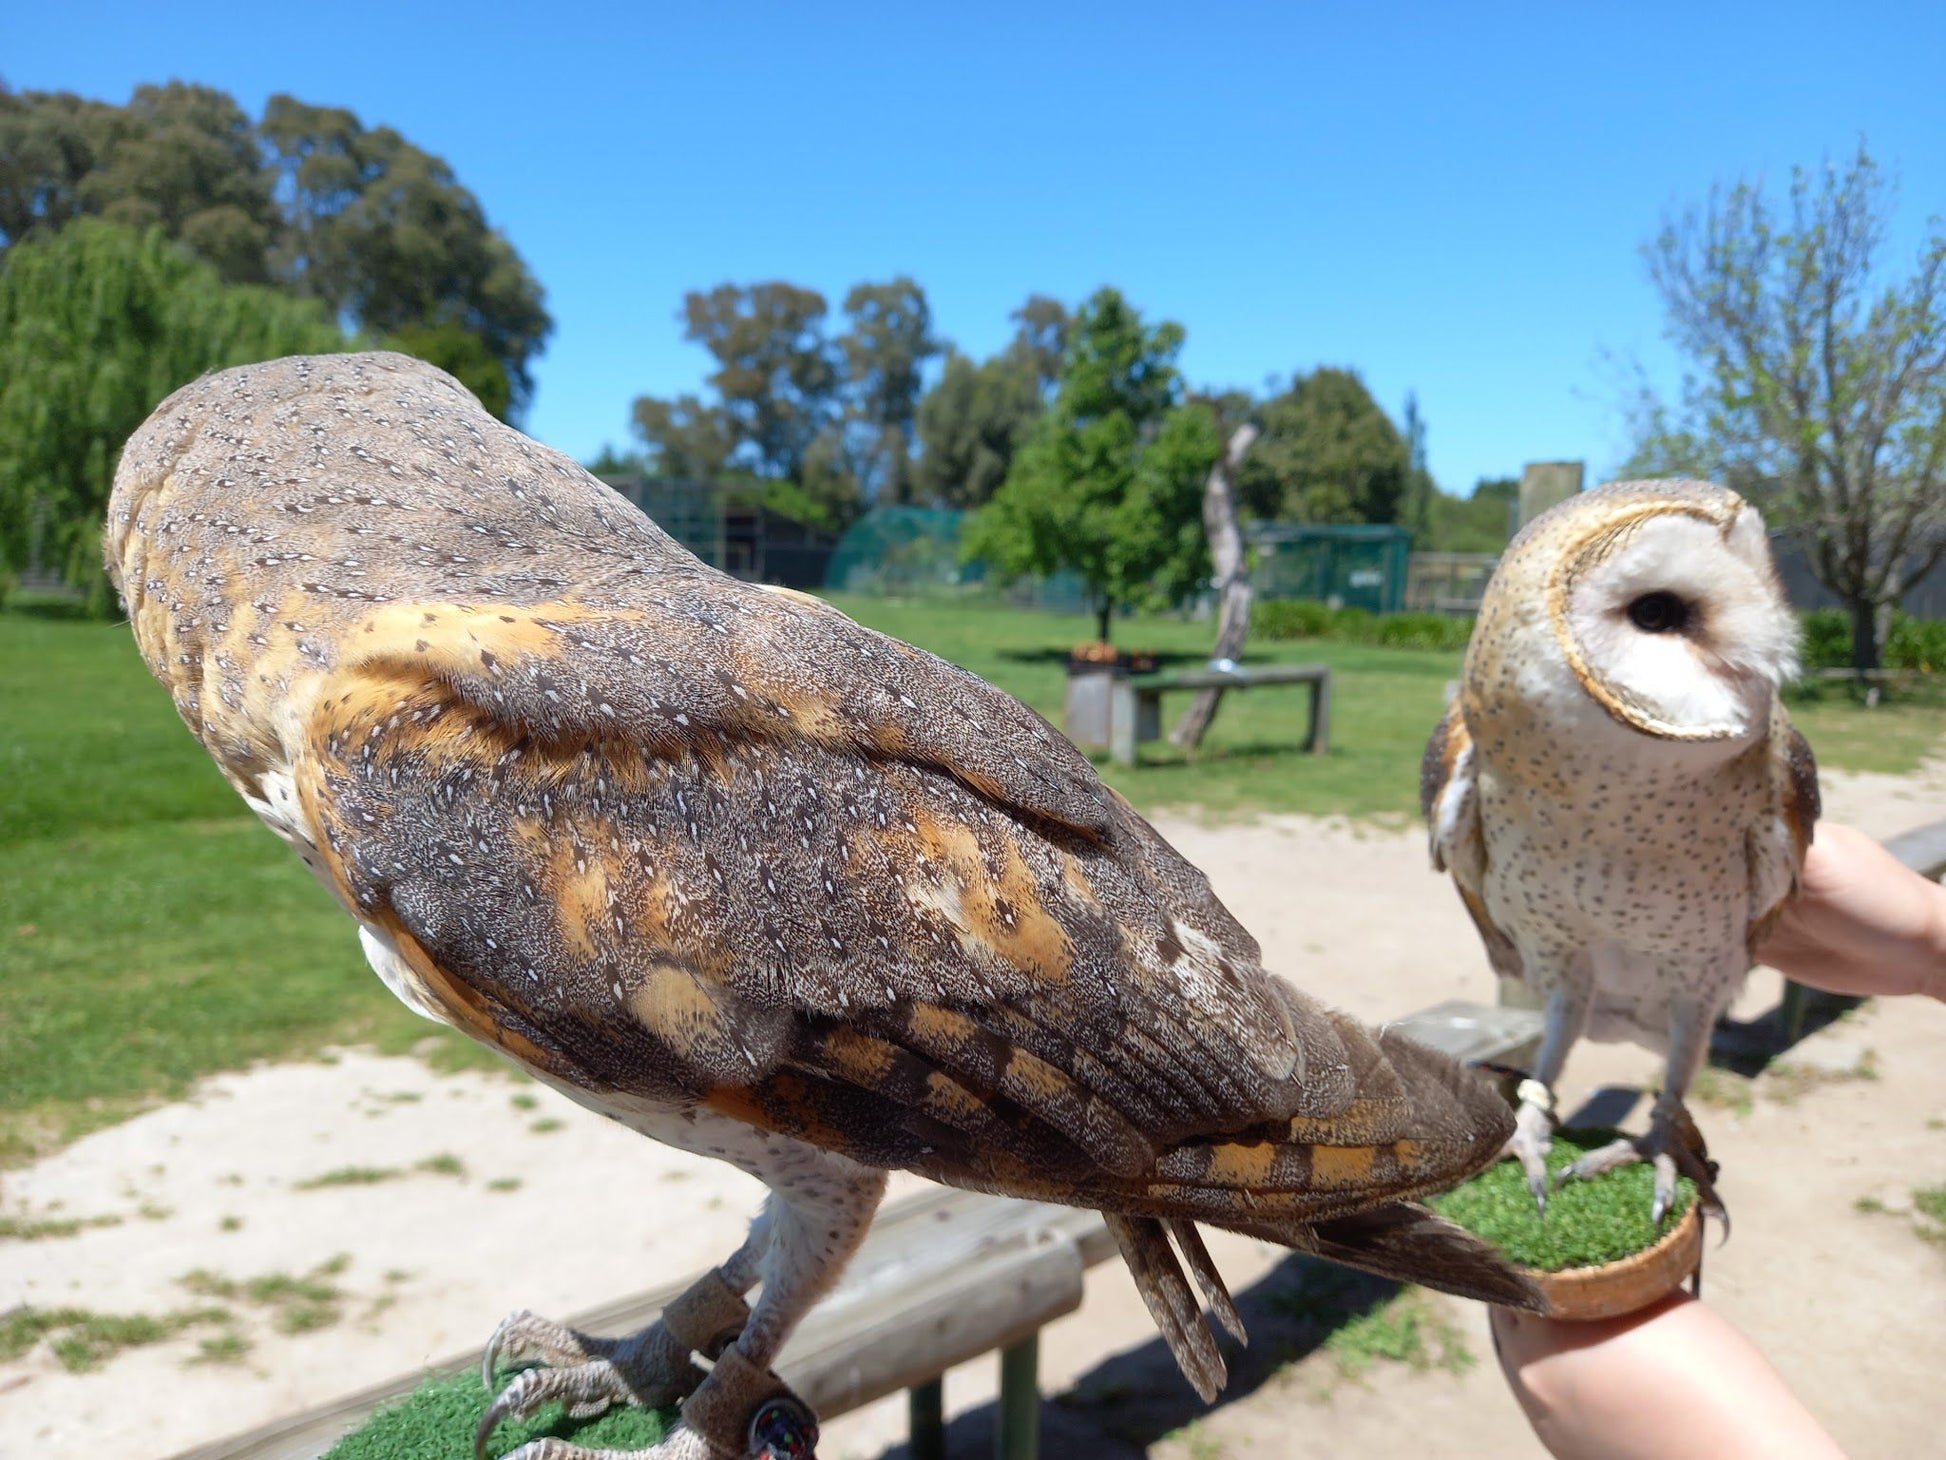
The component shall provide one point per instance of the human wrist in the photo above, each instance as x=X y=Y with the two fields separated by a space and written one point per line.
x=1932 y=977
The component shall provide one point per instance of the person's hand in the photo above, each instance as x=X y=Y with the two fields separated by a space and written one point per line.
x=1863 y=924
x=1673 y=1382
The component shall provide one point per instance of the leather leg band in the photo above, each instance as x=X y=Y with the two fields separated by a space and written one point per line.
x=746 y=1413
x=708 y=1316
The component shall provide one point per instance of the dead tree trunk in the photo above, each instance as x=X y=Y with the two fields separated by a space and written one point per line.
x=1232 y=580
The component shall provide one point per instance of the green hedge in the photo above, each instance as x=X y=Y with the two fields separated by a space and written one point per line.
x=1305 y=618
x=1914 y=643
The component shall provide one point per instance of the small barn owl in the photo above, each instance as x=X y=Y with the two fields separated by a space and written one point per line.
x=726 y=867
x=1617 y=790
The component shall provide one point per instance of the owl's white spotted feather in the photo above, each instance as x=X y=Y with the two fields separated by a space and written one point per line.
x=1617 y=790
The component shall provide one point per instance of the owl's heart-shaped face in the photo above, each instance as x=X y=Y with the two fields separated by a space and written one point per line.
x=1672 y=617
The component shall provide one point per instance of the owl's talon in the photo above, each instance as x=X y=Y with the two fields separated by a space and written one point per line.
x=523 y=1335
x=586 y=1390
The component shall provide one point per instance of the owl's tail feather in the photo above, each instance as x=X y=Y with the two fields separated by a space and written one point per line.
x=1144 y=1242
x=1411 y=1244
x=1189 y=1242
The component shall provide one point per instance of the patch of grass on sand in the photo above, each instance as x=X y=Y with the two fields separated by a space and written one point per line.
x=1587 y=1222
x=296 y=1304
x=349 y=1176
x=1412 y=1328
x=437 y=1421
x=82 y=1340
x=37 y=1229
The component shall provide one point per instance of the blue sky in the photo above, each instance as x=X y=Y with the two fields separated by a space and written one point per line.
x=1449 y=198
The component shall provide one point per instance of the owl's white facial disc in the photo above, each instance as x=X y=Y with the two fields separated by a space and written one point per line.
x=1682 y=626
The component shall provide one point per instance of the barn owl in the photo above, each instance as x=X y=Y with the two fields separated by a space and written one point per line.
x=1617 y=790
x=728 y=868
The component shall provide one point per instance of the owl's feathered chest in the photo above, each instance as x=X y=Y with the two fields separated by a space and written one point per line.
x=1640 y=851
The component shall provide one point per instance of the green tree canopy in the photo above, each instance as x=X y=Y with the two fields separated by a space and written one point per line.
x=1328 y=453
x=1481 y=523
x=306 y=199
x=386 y=236
x=885 y=350
x=976 y=416
x=1821 y=378
x=97 y=324
x=1110 y=481
x=776 y=373
x=831 y=419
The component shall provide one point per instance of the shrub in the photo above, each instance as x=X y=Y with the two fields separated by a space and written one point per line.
x=1827 y=639
x=1916 y=643
x=1306 y=618
x=1290 y=618
x=1424 y=631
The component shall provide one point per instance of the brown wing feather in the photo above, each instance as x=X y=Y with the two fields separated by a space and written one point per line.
x=855 y=947
x=1777 y=848
x=666 y=835
x=1459 y=847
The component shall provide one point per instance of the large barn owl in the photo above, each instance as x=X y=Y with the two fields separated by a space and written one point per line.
x=1617 y=790
x=726 y=867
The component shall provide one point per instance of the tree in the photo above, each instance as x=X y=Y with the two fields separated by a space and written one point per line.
x=970 y=424
x=1327 y=454
x=386 y=236
x=1821 y=383
x=46 y=153
x=975 y=418
x=1481 y=523
x=307 y=199
x=97 y=324
x=610 y=462
x=775 y=372
x=686 y=437
x=1042 y=326
x=1415 y=507
x=888 y=344
x=186 y=159
x=1109 y=483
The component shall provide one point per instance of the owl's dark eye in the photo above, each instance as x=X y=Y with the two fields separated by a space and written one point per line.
x=1658 y=613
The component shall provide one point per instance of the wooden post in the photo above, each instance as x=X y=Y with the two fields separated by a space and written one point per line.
x=926 y=1413
x=1018 y=1435
x=1232 y=580
x=1318 y=741
x=1121 y=720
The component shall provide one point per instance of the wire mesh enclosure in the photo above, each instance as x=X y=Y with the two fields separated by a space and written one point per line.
x=1357 y=565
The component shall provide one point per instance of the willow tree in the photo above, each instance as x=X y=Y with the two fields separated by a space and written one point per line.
x=97 y=324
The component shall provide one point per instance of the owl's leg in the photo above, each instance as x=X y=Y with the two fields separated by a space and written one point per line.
x=1670 y=1141
x=651 y=1368
x=1567 y=1017
x=820 y=1208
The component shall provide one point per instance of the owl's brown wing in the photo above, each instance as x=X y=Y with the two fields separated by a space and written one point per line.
x=1449 y=799
x=699 y=862
x=1777 y=844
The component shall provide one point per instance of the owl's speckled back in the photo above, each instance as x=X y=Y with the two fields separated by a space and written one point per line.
x=258 y=512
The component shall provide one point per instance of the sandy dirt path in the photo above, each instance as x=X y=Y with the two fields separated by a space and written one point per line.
x=495 y=1193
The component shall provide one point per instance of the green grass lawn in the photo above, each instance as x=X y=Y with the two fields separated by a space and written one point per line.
x=152 y=932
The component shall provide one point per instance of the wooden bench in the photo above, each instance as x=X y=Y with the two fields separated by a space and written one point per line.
x=1136 y=713
x=944 y=1277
